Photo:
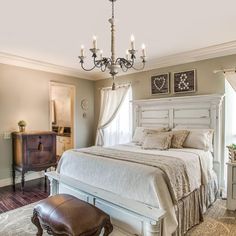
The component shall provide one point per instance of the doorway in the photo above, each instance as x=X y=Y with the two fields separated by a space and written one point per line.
x=62 y=115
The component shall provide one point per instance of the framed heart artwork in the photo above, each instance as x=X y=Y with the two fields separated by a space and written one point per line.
x=160 y=84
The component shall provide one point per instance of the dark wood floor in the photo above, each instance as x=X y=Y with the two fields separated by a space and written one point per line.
x=34 y=191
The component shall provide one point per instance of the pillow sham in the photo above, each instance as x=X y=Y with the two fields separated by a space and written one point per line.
x=141 y=132
x=199 y=139
x=160 y=141
x=179 y=137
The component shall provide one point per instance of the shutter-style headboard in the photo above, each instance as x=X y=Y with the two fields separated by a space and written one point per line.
x=203 y=111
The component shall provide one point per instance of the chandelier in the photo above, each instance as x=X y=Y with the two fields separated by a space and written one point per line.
x=113 y=63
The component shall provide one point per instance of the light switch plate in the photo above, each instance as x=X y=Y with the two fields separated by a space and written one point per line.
x=7 y=135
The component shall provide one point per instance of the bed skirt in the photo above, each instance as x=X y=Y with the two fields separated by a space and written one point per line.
x=190 y=210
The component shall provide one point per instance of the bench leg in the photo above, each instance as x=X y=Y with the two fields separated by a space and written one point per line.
x=108 y=228
x=152 y=229
x=35 y=221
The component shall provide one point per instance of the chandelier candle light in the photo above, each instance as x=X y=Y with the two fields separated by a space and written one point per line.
x=112 y=63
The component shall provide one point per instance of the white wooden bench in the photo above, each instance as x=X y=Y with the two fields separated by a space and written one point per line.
x=132 y=216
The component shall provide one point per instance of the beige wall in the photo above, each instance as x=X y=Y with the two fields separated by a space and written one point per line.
x=207 y=81
x=24 y=94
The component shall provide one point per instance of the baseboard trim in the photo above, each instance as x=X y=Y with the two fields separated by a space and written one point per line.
x=28 y=176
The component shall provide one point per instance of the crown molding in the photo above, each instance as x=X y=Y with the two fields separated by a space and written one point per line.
x=214 y=51
x=9 y=59
x=220 y=50
x=224 y=49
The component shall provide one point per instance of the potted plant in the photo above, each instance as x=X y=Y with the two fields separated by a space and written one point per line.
x=232 y=152
x=22 y=125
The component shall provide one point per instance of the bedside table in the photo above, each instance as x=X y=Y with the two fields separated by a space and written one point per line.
x=33 y=151
x=231 y=186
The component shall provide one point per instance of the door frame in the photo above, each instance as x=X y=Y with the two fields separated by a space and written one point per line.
x=73 y=97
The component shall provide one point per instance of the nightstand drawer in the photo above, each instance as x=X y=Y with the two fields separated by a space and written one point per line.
x=33 y=141
x=234 y=191
x=234 y=174
x=43 y=158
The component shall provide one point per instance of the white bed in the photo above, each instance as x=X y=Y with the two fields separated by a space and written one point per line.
x=139 y=182
x=135 y=193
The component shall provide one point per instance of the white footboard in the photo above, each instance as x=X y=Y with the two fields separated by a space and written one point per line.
x=131 y=216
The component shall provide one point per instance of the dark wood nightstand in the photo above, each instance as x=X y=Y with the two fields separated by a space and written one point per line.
x=33 y=151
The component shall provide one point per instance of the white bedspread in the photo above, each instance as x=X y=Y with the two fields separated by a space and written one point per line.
x=142 y=183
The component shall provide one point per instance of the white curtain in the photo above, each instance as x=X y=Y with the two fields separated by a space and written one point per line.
x=120 y=129
x=111 y=102
x=231 y=78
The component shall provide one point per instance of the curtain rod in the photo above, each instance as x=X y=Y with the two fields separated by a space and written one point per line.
x=225 y=70
x=117 y=85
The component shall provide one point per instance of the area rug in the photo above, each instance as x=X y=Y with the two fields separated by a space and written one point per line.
x=218 y=222
x=18 y=223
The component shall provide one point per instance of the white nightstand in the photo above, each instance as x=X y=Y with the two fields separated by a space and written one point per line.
x=231 y=186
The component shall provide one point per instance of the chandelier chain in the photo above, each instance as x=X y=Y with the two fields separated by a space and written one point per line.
x=113 y=10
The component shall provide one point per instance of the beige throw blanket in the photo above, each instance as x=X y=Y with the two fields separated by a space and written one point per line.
x=179 y=174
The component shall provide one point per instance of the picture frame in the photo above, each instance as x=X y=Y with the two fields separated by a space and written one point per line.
x=160 y=84
x=184 y=81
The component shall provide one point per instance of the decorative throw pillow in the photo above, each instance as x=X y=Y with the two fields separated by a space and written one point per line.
x=141 y=132
x=161 y=141
x=179 y=137
x=152 y=131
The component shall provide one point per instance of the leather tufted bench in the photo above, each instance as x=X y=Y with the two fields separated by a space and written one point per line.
x=66 y=215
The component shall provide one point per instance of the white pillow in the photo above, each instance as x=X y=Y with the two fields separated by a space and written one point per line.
x=199 y=139
x=140 y=133
x=161 y=141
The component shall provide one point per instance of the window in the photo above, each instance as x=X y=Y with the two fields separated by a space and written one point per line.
x=120 y=130
x=230 y=118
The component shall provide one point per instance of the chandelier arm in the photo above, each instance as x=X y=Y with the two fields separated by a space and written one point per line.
x=97 y=63
x=130 y=64
x=101 y=64
x=124 y=69
x=103 y=67
x=124 y=62
x=121 y=66
x=141 y=68
x=82 y=66
x=108 y=62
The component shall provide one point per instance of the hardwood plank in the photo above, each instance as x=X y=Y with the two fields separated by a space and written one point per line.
x=34 y=191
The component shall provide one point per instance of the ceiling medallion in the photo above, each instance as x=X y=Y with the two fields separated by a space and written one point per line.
x=113 y=64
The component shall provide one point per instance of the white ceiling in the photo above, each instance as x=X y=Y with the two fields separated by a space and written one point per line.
x=52 y=30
